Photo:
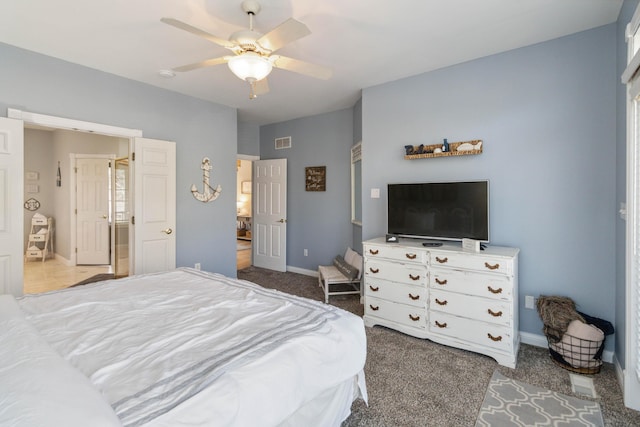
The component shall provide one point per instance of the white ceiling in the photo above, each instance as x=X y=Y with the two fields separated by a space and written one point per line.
x=365 y=42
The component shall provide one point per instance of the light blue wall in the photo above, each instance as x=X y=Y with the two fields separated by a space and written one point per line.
x=248 y=139
x=547 y=115
x=205 y=233
x=317 y=221
x=628 y=7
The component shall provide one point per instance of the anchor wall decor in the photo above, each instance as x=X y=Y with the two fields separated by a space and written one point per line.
x=209 y=193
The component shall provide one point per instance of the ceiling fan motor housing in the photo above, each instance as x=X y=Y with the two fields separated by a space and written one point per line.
x=246 y=39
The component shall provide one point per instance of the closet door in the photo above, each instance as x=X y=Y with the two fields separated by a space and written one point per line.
x=154 y=208
x=11 y=206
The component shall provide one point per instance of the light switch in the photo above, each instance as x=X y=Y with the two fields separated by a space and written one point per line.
x=375 y=193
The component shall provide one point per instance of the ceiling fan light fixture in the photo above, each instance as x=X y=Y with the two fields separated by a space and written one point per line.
x=250 y=66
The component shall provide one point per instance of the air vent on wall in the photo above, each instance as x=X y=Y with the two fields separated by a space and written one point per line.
x=284 y=142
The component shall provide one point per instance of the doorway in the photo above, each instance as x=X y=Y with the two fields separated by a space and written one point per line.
x=244 y=202
x=50 y=160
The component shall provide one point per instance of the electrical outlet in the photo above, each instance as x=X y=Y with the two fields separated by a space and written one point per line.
x=197 y=266
x=529 y=302
x=306 y=252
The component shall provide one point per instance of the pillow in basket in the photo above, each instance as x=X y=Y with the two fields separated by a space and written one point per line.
x=579 y=344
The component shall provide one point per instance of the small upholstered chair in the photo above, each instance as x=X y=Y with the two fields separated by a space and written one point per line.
x=343 y=277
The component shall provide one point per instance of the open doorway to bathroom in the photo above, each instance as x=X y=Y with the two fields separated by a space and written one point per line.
x=244 y=229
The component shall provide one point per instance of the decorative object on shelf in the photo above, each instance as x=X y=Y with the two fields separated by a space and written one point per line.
x=316 y=178
x=58 y=177
x=209 y=193
x=31 y=176
x=246 y=187
x=447 y=149
x=32 y=204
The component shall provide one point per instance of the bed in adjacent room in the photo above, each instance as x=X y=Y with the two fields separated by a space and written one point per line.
x=179 y=348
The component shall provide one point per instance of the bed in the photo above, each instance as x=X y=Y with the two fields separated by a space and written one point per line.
x=181 y=348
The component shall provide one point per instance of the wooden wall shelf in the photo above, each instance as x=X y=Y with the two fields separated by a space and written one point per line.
x=453 y=150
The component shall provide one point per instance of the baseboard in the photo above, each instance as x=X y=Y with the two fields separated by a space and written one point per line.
x=538 y=340
x=304 y=271
x=619 y=371
x=63 y=260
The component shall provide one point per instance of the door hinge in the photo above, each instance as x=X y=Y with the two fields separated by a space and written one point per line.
x=133 y=156
x=133 y=220
x=75 y=170
x=76 y=250
x=76 y=211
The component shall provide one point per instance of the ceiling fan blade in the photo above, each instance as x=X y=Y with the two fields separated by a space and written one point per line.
x=202 y=64
x=301 y=67
x=198 y=32
x=290 y=30
x=261 y=87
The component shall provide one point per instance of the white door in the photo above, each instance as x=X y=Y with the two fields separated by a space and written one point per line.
x=154 y=205
x=270 y=214
x=11 y=201
x=92 y=212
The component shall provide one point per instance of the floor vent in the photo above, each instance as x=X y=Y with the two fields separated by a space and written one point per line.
x=284 y=142
x=583 y=385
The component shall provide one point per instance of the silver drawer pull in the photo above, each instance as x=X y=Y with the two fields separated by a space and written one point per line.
x=494 y=314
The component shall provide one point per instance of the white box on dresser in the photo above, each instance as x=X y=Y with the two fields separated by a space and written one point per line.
x=462 y=299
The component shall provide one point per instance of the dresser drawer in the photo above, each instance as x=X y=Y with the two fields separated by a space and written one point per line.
x=481 y=284
x=396 y=253
x=37 y=237
x=485 y=334
x=34 y=253
x=486 y=310
x=399 y=313
x=396 y=292
x=474 y=261
x=396 y=272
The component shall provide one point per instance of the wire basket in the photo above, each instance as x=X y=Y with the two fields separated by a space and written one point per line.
x=576 y=354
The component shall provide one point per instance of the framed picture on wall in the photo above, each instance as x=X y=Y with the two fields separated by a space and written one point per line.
x=316 y=178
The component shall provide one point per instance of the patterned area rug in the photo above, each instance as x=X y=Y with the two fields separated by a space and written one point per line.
x=513 y=403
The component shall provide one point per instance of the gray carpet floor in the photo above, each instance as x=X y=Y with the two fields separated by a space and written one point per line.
x=415 y=382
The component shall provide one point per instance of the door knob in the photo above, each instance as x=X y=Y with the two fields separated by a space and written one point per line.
x=282 y=221
x=167 y=231
x=104 y=217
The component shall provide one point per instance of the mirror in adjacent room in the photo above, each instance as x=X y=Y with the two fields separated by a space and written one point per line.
x=356 y=184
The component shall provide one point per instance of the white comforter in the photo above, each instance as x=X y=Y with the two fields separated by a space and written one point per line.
x=193 y=348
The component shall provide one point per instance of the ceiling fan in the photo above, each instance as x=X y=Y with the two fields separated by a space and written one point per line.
x=253 y=57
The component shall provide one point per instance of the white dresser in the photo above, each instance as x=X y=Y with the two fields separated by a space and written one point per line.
x=463 y=299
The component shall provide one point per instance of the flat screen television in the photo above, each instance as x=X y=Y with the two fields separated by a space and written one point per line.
x=439 y=210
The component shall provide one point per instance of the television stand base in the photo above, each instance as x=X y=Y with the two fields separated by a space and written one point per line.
x=432 y=244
